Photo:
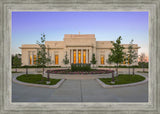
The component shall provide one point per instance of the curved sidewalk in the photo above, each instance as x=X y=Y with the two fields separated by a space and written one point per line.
x=79 y=76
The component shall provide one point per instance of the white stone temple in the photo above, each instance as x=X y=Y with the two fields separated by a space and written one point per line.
x=79 y=48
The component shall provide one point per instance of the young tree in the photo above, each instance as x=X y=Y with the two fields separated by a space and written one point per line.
x=131 y=55
x=42 y=58
x=117 y=54
x=66 y=60
x=109 y=61
x=142 y=60
x=93 y=61
x=16 y=61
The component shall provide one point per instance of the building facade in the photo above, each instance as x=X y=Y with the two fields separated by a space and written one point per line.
x=79 y=48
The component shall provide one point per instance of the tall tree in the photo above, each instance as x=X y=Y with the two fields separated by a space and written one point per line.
x=132 y=56
x=66 y=60
x=142 y=60
x=93 y=61
x=117 y=54
x=42 y=58
x=16 y=61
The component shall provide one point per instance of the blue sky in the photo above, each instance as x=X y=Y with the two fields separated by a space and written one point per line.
x=27 y=27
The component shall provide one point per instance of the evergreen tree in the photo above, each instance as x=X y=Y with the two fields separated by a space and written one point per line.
x=66 y=60
x=132 y=56
x=42 y=58
x=16 y=61
x=93 y=61
x=117 y=54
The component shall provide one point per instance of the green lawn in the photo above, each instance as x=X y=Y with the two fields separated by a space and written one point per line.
x=142 y=71
x=36 y=79
x=123 y=79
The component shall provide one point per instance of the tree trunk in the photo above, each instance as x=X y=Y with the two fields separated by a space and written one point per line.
x=43 y=71
x=42 y=74
x=133 y=70
x=129 y=69
x=26 y=71
x=48 y=76
x=113 y=76
x=16 y=69
x=117 y=71
x=143 y=68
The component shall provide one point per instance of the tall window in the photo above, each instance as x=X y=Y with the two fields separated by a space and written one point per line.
x=56 y=59
x=34 y=59
x=79 y=56
x=84 y=56
x=102 y=59
x=30 y=59
x=74 y=56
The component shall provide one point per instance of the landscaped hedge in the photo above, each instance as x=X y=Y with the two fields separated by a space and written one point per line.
x=80 y=67
x=140 y=65
x=38 y=67
x=120 y=66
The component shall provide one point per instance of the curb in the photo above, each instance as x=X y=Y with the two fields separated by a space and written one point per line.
x=124 y=85
x=38 y=85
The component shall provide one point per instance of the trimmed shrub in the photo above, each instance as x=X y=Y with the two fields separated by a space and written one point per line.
x=80 y=67
x=120 y=66
x=27 y=66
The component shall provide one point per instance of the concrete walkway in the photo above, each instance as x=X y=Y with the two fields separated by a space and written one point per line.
x=79 y=91
x=79 y=76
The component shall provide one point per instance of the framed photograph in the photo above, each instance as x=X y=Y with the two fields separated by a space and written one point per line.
x=79 y=56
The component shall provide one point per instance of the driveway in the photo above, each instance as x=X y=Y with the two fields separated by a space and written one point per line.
x=79 y=91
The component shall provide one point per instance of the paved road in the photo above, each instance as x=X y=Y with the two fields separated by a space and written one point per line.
x=79 y=91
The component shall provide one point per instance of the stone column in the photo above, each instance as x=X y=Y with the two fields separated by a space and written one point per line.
x=53 y=56
x=81 y=55
x=106 y=57
x=90 y=54
x=86 y=55
x=71 y=56
x=68 y=55
x=76 y=55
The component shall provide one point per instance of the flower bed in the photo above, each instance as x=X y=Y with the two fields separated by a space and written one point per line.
x=67 y=71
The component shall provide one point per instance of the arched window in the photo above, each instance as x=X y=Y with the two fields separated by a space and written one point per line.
x=56 y=59
x=102 y=59
x=30 y=59
x=84 y=56
x=79 y=56
x=34 y=59
x=74 y=56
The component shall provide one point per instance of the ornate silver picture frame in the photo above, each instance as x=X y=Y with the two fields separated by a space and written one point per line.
x=153 y=104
